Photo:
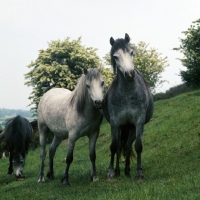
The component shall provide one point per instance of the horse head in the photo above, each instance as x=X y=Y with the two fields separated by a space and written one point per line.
x=95 y=86
x=122 y=57
x=18 y=162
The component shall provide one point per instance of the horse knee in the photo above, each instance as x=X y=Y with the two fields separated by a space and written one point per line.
x=92 y=156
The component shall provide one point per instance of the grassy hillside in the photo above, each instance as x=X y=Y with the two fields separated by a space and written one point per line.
x=171 y=162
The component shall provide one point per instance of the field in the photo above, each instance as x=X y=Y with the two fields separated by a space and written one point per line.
x=171 y=162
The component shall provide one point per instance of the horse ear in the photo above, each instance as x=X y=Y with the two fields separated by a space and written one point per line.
x=112 y=41
x=100 y=68
x=127 y=38
x=85 y=71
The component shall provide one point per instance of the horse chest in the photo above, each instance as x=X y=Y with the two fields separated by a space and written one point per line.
x=127 y=110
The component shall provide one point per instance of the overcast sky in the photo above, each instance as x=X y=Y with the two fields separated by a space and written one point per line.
x=26 y=26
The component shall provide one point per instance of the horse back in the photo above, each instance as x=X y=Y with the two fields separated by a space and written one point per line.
x=18 y=134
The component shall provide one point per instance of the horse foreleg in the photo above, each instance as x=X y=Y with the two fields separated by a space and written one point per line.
x=10 y=168
x=117 y=168
x=138 y=149
x=92 y=145
x=69 y=159
x=52 y=151
x=113 y=150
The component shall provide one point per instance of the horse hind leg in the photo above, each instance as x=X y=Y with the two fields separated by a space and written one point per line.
x=138 y=149
x=129 y=151
x=52 y=150
x=43 y=139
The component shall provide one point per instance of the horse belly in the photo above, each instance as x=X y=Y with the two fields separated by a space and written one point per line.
x=128 y=116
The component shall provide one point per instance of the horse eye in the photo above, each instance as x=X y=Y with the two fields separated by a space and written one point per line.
x=115 y=57
x=131 y=53
x=102 y=83
x=87 y=86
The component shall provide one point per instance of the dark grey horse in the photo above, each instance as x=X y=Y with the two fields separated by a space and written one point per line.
x=17 y=136
x=128 y=106
x=71 y=115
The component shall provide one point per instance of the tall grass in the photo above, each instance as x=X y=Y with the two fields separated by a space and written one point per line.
x=171 y=162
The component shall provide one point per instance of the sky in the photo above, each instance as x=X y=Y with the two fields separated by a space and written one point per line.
x=26 y=26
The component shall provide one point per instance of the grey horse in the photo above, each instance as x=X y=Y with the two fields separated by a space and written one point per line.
x=71 y=115
x=128 y=106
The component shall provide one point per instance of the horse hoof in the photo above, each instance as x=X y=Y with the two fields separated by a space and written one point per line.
x=65 y=183
x=139 y=178
x=50 y=176
x=110 y=177
x=94 y=179
x=128 y=175
x=41 y=180
x=19 y=177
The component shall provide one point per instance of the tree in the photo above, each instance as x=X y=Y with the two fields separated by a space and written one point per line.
x=190 y=48
x=60 y=65
x=148 y=61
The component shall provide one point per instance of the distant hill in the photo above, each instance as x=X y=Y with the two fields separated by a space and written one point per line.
x=6 y=114
x=12 y=112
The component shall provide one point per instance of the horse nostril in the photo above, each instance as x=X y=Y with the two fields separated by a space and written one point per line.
x=98 y=103
x=129 y=74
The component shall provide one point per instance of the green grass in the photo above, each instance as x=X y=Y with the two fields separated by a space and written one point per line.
x=171 y=162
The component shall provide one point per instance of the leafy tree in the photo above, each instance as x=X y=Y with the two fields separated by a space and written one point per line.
x=148 y=61
x=190 y=48
x=60 y=65
x=108 y=76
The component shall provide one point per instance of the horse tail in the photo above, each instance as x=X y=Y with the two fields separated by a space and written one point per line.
x=124 y=139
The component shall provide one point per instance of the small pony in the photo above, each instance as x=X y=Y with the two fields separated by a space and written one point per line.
x=71 y=115
x=17 y=136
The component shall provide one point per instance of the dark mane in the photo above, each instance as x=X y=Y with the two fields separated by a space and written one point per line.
x=79 y=94
x=138 y=72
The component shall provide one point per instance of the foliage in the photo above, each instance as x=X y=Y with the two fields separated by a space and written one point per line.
x=170 y=161
x=172 y=92
x=190 y=48
x=148 y=61
x=60 y=65
x=108 y=76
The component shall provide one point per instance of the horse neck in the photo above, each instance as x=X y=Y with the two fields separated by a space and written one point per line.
x=86 y=105
x=89 y=105
x=123 y=84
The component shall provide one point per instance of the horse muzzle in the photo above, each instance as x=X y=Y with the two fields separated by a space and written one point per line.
x=129 y=75
x=98 y=104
